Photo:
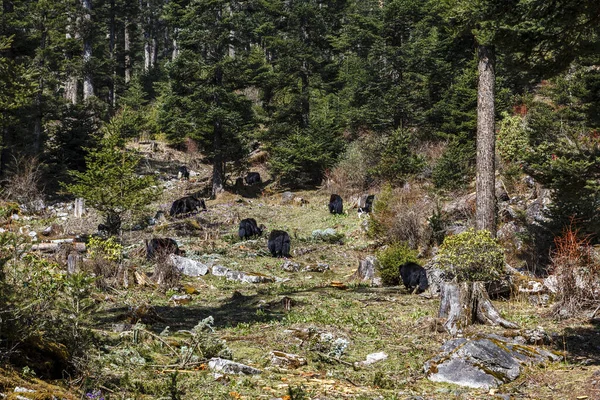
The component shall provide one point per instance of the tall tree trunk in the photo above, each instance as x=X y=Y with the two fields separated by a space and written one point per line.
x=147 y=37
x=71 y=82
x=230 y=46
x=37 y=126
x=154 y=59
x=218 y=174
x=486 y=137
x=111 y=49
x=127 y=49
x=304 y=99
x=88 y=87
x=175 y=49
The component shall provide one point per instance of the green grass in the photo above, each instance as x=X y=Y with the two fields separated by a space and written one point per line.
x=253 y=321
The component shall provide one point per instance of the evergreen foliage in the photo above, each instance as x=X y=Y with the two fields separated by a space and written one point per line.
x=390 y=259
x=110 y=182
x=471 y=256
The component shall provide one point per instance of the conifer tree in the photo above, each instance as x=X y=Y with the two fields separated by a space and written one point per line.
x=110 y=182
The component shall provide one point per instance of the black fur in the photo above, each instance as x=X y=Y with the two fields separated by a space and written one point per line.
x=183 y=173
x=414 y=277
x=252 y=178
x=279 y=243
x=161 y=247
x=249 y=228
x=187 y=205
x=335 y=204
x=368 y=206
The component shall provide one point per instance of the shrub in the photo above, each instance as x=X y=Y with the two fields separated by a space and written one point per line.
x=24 y=184
x=350 y=175
x=390 y=259
x=512 y=141
x=105 y=260
x=399 y=216
x=472 y=256
x=577 y=273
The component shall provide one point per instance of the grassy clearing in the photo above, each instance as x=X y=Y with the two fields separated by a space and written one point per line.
x=254 y=319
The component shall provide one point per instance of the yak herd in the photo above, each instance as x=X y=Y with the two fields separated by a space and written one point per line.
x=413 y=275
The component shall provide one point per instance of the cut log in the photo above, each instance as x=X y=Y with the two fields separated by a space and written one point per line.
x=465 y=303
x=53 y=247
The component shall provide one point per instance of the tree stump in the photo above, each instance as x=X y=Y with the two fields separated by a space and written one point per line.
x=465 y=303
x=79 y=207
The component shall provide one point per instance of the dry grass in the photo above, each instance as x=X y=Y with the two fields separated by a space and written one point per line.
x=577 y=273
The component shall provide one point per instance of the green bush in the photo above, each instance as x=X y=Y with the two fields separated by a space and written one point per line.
x=512 y=140
x=472 y=256
x=390 y=259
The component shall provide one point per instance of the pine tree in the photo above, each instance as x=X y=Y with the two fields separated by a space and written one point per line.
x=110 y=182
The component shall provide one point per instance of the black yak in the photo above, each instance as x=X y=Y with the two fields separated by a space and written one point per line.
x=252 y=178
x=414 y=277
x=183 y=173
x=279 y=243
x=187 y=205
x=249 y=228
x=335 y=204
x=160 y=247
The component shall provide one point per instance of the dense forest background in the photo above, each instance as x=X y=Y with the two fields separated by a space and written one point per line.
x=387 y=87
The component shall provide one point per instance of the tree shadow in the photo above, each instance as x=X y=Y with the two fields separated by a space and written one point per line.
x=581 y=344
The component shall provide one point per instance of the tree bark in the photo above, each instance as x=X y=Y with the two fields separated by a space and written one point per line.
x=486 y=137
x=88 y=87
x=218 y=175
x=111 y=50
x=127 y=49
x=71 y=82
x=465 y=303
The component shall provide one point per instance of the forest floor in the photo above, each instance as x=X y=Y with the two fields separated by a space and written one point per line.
x=291 y=315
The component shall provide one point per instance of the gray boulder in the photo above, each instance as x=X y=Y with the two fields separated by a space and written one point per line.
x=232 y=275
x=231 y=367
x=290 y=266
x=287 y=197
x=188 y=266
x=366 y=269
x=484 y=361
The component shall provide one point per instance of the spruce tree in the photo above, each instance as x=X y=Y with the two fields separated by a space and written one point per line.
x=110 y=182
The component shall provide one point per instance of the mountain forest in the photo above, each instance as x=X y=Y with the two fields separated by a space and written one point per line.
x=300 y=199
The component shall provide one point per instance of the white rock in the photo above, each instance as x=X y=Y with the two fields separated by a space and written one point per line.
x=231 y=367
x=373 y=358
x=188 y=266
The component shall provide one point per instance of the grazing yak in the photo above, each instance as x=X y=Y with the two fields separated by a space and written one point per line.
x=183 y=173
x=414 y=277
x=252 y=178
x=160 y=247
x=279 y=243
x=249 y=228
x=335 y=204
x=186 y=205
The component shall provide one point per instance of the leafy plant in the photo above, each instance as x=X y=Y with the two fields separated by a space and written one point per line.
x=512 y=139
x=391 y=258
x=471 y=256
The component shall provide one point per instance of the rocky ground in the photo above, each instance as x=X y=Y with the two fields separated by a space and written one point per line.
x=302 y=328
